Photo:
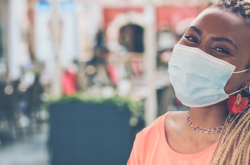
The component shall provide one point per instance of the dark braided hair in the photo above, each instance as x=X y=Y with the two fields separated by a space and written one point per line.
x=233 y=145
x=239 y=7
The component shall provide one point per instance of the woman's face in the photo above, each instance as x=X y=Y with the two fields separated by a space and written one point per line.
x=223 y=35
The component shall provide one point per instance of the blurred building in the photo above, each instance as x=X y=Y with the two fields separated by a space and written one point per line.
x=101 y=52
x=67 y=46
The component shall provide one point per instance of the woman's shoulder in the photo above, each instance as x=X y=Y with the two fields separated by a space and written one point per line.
x=175 y=120
x=147 y=141
x=168 y=119
x=176 y=117
x=154 y=126
x=150 y=138
x=170 y=116
x=158 y=124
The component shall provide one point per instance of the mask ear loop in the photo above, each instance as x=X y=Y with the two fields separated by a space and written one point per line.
x=242 y=88
x=236 y=92
x=242 y=71
x=239 y=90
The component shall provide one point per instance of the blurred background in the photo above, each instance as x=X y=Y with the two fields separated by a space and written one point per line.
x=80 y=78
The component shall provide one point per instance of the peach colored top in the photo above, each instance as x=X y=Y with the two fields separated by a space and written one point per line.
x=151 y=148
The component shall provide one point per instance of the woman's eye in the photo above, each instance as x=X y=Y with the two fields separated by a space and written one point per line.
x=191 y=38
x=221 y=50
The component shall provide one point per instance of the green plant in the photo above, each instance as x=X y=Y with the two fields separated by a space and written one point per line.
x=135 y=107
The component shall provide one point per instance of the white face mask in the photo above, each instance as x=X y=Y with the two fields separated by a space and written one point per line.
x=199 y=78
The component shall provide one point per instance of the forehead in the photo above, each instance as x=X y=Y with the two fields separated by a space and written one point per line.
x=222 y=23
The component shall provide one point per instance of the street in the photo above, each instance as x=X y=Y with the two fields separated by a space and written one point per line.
x=31 y=151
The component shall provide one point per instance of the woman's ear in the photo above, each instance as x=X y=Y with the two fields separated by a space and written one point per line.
x=247 y=80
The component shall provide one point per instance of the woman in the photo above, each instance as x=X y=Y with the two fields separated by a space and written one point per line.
x=209 y=71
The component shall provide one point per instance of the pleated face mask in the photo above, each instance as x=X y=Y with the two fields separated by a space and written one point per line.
x=199 y=78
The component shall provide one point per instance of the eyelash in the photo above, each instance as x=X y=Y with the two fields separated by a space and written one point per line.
x=192 y=39
x=223 y=50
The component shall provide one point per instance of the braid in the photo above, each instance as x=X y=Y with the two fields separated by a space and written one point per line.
x=240 y=7
x=233 y=146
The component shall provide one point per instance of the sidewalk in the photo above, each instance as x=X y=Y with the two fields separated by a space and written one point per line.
x=31 y=151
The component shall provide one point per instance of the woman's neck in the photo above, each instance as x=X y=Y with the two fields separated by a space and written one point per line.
x=209 y=117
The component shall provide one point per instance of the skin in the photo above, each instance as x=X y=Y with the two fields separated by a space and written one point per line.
x=202 y=33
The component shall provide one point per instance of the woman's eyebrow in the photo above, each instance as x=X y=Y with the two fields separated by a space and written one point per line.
x=196 y=30
x=225 y=40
